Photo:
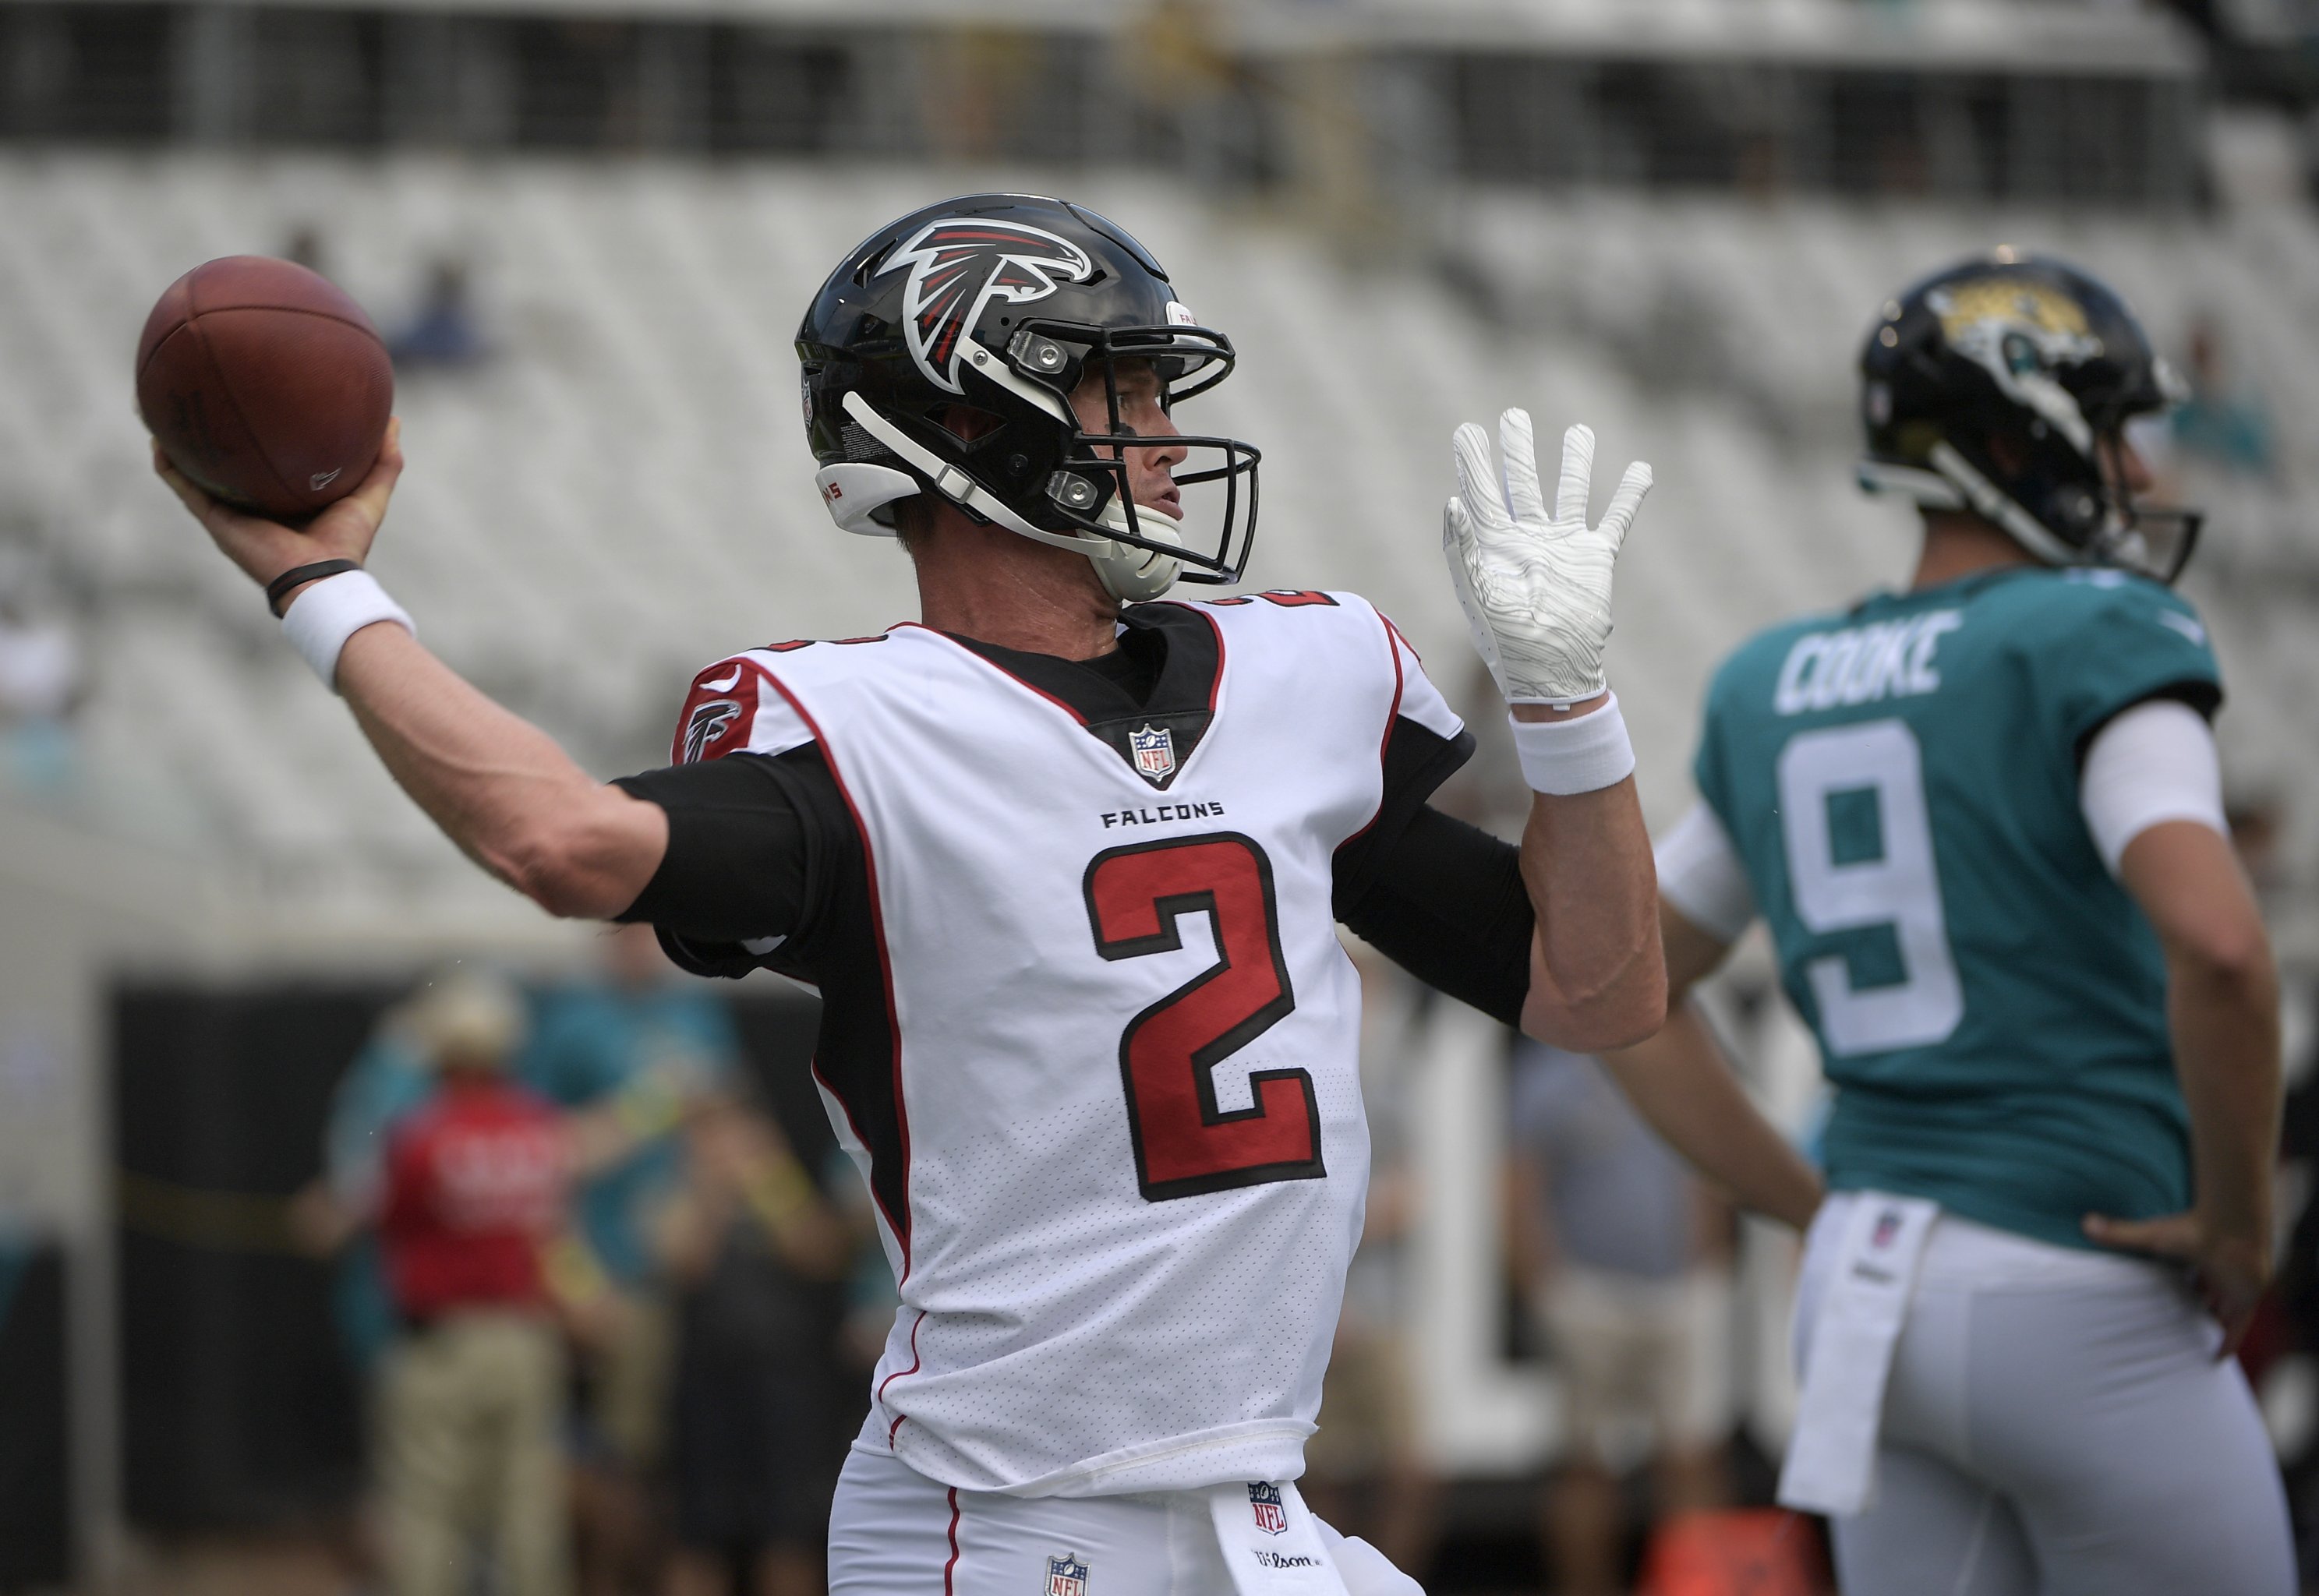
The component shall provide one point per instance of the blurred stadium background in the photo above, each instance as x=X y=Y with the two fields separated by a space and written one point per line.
x=592 y=224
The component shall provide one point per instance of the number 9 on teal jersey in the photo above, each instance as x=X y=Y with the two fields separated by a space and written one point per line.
x=1860 y=855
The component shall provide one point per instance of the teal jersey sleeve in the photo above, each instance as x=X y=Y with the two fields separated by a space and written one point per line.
x=2108 y=642
x=1707 y=765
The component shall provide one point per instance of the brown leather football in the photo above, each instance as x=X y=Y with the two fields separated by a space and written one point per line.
x=266 y=384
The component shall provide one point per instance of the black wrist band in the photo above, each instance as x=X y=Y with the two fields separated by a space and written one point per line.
x=296 y=574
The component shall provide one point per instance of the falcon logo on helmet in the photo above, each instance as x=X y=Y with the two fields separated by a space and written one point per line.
x=957 y=265
x=1040 y=316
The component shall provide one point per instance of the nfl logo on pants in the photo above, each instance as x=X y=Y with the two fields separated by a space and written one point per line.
x=1271 y=1512
x=1066 y=1575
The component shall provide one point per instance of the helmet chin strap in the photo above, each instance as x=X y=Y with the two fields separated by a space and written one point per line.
x=1990 y=502
x=1128 y=573
x=1953 y=483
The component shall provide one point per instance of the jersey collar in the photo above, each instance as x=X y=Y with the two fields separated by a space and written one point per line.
x=1183 y=697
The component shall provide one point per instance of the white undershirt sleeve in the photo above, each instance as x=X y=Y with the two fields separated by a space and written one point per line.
x=1700 y=874
x=2154 y=761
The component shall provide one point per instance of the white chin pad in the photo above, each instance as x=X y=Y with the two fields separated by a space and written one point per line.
x=1130 y=573
x=850 y=491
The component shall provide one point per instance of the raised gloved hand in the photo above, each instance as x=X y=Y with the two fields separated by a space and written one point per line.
x=1535 y=586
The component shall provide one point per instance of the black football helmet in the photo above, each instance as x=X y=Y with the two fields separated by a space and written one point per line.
x=2036 y=353
x=1002 y=302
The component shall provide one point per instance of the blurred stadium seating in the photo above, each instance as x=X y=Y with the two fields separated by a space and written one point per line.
x=621 y=493
x=1672 y=219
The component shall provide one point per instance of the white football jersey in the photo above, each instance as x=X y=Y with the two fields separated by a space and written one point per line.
x=1099 y=1068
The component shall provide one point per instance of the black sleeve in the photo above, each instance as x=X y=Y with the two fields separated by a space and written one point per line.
x=1417 y=759
x=755 y=843
x=1446 y=902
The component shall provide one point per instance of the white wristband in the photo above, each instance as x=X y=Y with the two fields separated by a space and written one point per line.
x=1583 y=755
x=322 y=619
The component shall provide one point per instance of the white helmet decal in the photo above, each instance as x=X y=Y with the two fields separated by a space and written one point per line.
x=957 y=265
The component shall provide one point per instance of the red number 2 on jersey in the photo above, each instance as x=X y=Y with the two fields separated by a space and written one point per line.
x=1184 y=1144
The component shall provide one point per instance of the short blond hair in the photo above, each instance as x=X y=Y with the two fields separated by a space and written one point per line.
x=469 y=1015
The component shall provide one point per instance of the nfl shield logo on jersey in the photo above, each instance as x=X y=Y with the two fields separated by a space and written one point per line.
x=1155 y=752
x=1066 y=1575
x=1271 y=1512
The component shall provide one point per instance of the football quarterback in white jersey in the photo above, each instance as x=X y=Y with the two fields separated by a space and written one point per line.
x=1066 y=860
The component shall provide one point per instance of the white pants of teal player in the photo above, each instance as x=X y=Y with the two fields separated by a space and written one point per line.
x=2056 y=1423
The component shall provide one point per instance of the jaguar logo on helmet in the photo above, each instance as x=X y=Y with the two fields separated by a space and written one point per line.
x=957 y=265
x=2045 y=358
x=2021 y=331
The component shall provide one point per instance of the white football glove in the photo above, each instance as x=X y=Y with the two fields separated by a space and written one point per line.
x=1535 y=587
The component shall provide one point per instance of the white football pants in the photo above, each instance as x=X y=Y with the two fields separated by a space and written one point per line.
x=894 y=1532
x=2056 y=1423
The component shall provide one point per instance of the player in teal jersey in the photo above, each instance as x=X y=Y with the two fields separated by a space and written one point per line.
x=1900 y=782
x=1981 y=819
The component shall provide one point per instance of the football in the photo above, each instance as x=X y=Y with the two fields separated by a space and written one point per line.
x=264 y=383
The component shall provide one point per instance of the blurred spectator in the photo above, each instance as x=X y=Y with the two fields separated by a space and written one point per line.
x=336 y=1217
x=41 y=686
x=444 y=333
x=873 y=1297
x=2224 y=424
x=471 y=1394
x=40 y=665
x=2287 y=1327
x=1175 y=64
x=1364 y=1465
x=2258 y=822
x=978 y=80
x=1619 y=1256
x=304 y=246
x=755 y=1252
x=635 y=1045
x=2281 y=1350
x=390 y=1079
